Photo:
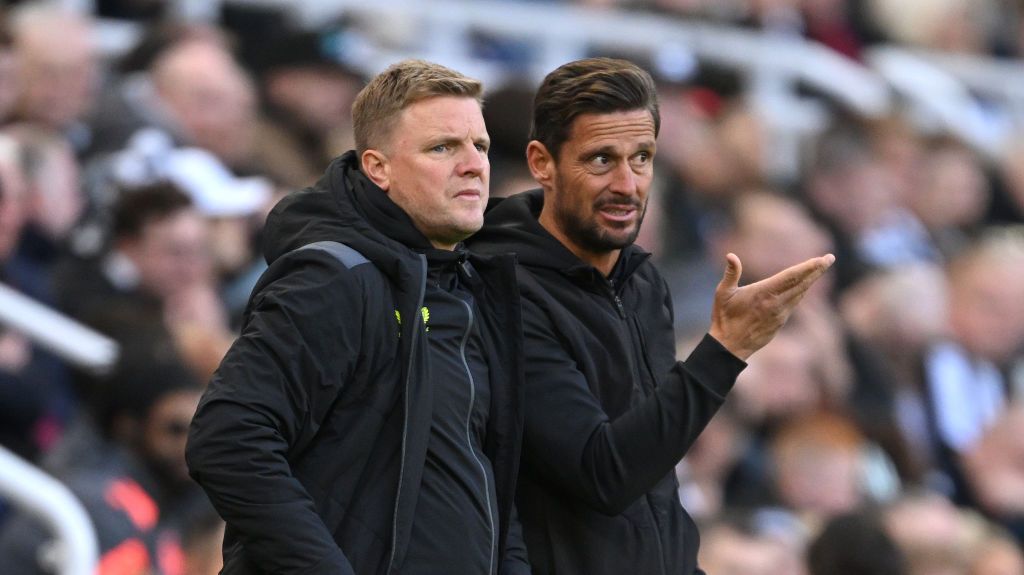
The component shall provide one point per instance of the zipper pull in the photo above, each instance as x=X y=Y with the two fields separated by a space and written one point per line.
x=610 y=284
x=618 y=304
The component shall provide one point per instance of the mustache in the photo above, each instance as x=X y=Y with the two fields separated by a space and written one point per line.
x=618 y=203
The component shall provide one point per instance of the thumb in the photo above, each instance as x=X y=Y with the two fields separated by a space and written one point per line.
x=733 y=269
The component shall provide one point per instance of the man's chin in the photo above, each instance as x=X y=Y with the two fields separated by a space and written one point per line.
x=616 y=239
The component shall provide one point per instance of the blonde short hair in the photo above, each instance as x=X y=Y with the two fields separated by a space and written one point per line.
x=379 y=103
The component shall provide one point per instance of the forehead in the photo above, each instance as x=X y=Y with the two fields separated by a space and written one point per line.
x=441 y=112
x=613 y=128
x=437 y=117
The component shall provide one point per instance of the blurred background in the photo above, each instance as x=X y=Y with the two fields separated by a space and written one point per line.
x=142 y=143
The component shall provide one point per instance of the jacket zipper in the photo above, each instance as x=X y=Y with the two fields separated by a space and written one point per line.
x=469 y=415
x=615 y=298
x=639 y=362
x=405 y=423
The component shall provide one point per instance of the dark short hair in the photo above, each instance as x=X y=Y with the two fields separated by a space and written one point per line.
x=592 y=85
x=138 y=207
x=149 y=367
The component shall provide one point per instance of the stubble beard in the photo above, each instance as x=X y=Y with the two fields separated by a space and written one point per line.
x=587 y=233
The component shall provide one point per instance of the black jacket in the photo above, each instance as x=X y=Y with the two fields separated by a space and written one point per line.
x=609 y=411
x=311 y=438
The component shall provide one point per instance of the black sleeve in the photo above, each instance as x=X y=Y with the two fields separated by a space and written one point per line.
x=516 y=561
x=609 y=464
x=300 y=340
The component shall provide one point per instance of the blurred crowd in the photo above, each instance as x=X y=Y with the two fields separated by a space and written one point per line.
x=885 y=416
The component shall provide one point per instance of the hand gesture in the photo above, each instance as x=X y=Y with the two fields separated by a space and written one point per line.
x=744 y=319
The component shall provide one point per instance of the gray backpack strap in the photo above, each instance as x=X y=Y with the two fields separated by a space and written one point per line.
x=344 y=254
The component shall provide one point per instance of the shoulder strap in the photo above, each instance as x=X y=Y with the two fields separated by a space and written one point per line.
x=343 y=253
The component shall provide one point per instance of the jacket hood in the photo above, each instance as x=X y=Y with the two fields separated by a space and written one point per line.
x=512 y=225
x=344 y=206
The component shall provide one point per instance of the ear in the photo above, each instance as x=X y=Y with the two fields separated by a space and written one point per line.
x=541 y=164
x=376 y=167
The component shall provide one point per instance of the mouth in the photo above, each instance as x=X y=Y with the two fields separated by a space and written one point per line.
x=469 y=195
x=618 y=212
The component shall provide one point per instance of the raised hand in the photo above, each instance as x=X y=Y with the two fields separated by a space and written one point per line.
x=744 y=319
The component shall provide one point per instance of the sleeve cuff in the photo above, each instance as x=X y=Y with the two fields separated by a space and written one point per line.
x=714 y=366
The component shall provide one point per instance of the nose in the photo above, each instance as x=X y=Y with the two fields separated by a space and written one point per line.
x=623 y=180
x=473 y=162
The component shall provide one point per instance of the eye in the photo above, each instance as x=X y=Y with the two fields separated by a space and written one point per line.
x=482 y=148
x=643 y=158
x=440 y=148
x=600 y=160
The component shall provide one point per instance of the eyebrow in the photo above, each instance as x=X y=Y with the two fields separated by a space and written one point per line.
x=609 y=149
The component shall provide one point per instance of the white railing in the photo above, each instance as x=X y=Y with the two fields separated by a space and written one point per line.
x=70 y=340
x=74 y=550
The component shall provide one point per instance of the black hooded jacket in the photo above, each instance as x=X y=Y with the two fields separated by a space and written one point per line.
x=609 y=411
x=311 y=438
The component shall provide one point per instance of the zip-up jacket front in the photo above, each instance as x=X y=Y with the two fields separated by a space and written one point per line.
x=609 y=411
x=312 y=436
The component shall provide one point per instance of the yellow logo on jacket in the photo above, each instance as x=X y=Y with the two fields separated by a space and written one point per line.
x=424 y=311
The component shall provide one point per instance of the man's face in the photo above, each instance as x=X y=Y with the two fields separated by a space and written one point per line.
x=437 y=167
x=171 y=254
x=210 y=97
x=602 y=175
x=165 y=432
x=59 y=73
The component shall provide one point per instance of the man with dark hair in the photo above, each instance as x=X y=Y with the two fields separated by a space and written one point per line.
x=158 y=249
x=367 y=419
x=609 y=411
x=131 y=477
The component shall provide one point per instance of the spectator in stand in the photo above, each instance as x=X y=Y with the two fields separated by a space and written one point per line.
x=183 y=81
x=737 y=545
x=953 y=196
x=852 y=191
x=136 y=490
x=210 y=100
x=896 y=316
x=970 y=377
x=35 y=385
x=841 y=548
x=128 y=101
x=159 y=260
x=938 y=538
x=59 y=66
x=55 y=199
x=818 y=466
x=702 y=474
x=307 y=89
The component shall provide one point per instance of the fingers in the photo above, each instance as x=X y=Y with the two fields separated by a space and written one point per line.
x=733 y=270
x=800 y=276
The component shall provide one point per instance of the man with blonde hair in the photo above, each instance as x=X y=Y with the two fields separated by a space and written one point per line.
x=367 y=418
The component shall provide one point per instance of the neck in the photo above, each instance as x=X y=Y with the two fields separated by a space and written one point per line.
x=603 y=261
